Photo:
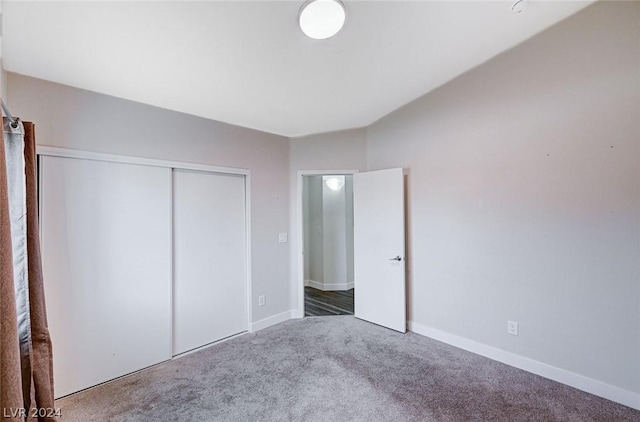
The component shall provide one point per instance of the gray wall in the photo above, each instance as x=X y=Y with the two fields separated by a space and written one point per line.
x=315 y=250
x=306 y=227
x=348 y=192
x=524 y=197
x=73 y=118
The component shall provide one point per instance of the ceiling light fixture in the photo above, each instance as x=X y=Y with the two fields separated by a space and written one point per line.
x=334 y=182
x=519 y=6
x=321 y=19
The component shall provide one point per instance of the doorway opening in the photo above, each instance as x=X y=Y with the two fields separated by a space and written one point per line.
x=327 y=248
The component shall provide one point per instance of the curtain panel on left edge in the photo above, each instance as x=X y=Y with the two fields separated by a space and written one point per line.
x=26 y=360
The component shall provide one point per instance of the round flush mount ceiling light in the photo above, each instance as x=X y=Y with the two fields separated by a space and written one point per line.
x=334 y=182
x=519 y=6
x=321 y=19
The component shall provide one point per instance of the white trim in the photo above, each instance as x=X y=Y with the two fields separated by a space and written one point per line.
x=328 y=286
x=298 y=312
x=98 y=156
x=295 y=314
x=247 y=225
x=590 y=385
x=39 y=162
x=172 y=272
x=269 y=321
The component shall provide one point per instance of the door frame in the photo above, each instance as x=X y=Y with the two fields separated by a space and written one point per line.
x=170 y=164
x=299 y=257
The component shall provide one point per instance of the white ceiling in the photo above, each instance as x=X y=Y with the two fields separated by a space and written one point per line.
x=247 y=63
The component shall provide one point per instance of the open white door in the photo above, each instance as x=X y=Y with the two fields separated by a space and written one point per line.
x=379 y=264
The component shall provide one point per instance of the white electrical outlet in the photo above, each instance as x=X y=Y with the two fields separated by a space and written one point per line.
x=261 y=300
x=282 y=237
x=512 y=328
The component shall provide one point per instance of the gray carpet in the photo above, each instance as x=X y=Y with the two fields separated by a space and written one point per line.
x=336 y=368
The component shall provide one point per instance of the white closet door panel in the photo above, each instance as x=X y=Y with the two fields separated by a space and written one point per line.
x=209 y=290
x=106 y=233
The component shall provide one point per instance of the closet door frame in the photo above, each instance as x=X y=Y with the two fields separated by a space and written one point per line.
x=178 y=165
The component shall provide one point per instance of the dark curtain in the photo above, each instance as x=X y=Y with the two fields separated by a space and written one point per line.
x=26 y=363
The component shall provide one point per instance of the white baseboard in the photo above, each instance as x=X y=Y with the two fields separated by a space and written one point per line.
x=590 y=385
x=328 y=286
x=269 y=321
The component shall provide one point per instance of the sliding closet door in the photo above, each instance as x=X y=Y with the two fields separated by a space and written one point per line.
x=209 y=289
x=106 y=248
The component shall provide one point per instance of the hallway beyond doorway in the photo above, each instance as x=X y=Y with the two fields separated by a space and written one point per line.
x=320 y=303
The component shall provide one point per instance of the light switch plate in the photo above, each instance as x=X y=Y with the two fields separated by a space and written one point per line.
x=282 y=237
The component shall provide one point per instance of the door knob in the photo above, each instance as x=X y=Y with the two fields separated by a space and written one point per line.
x=397 y=258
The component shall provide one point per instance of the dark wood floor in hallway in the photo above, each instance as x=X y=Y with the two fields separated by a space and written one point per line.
x=321 y=303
